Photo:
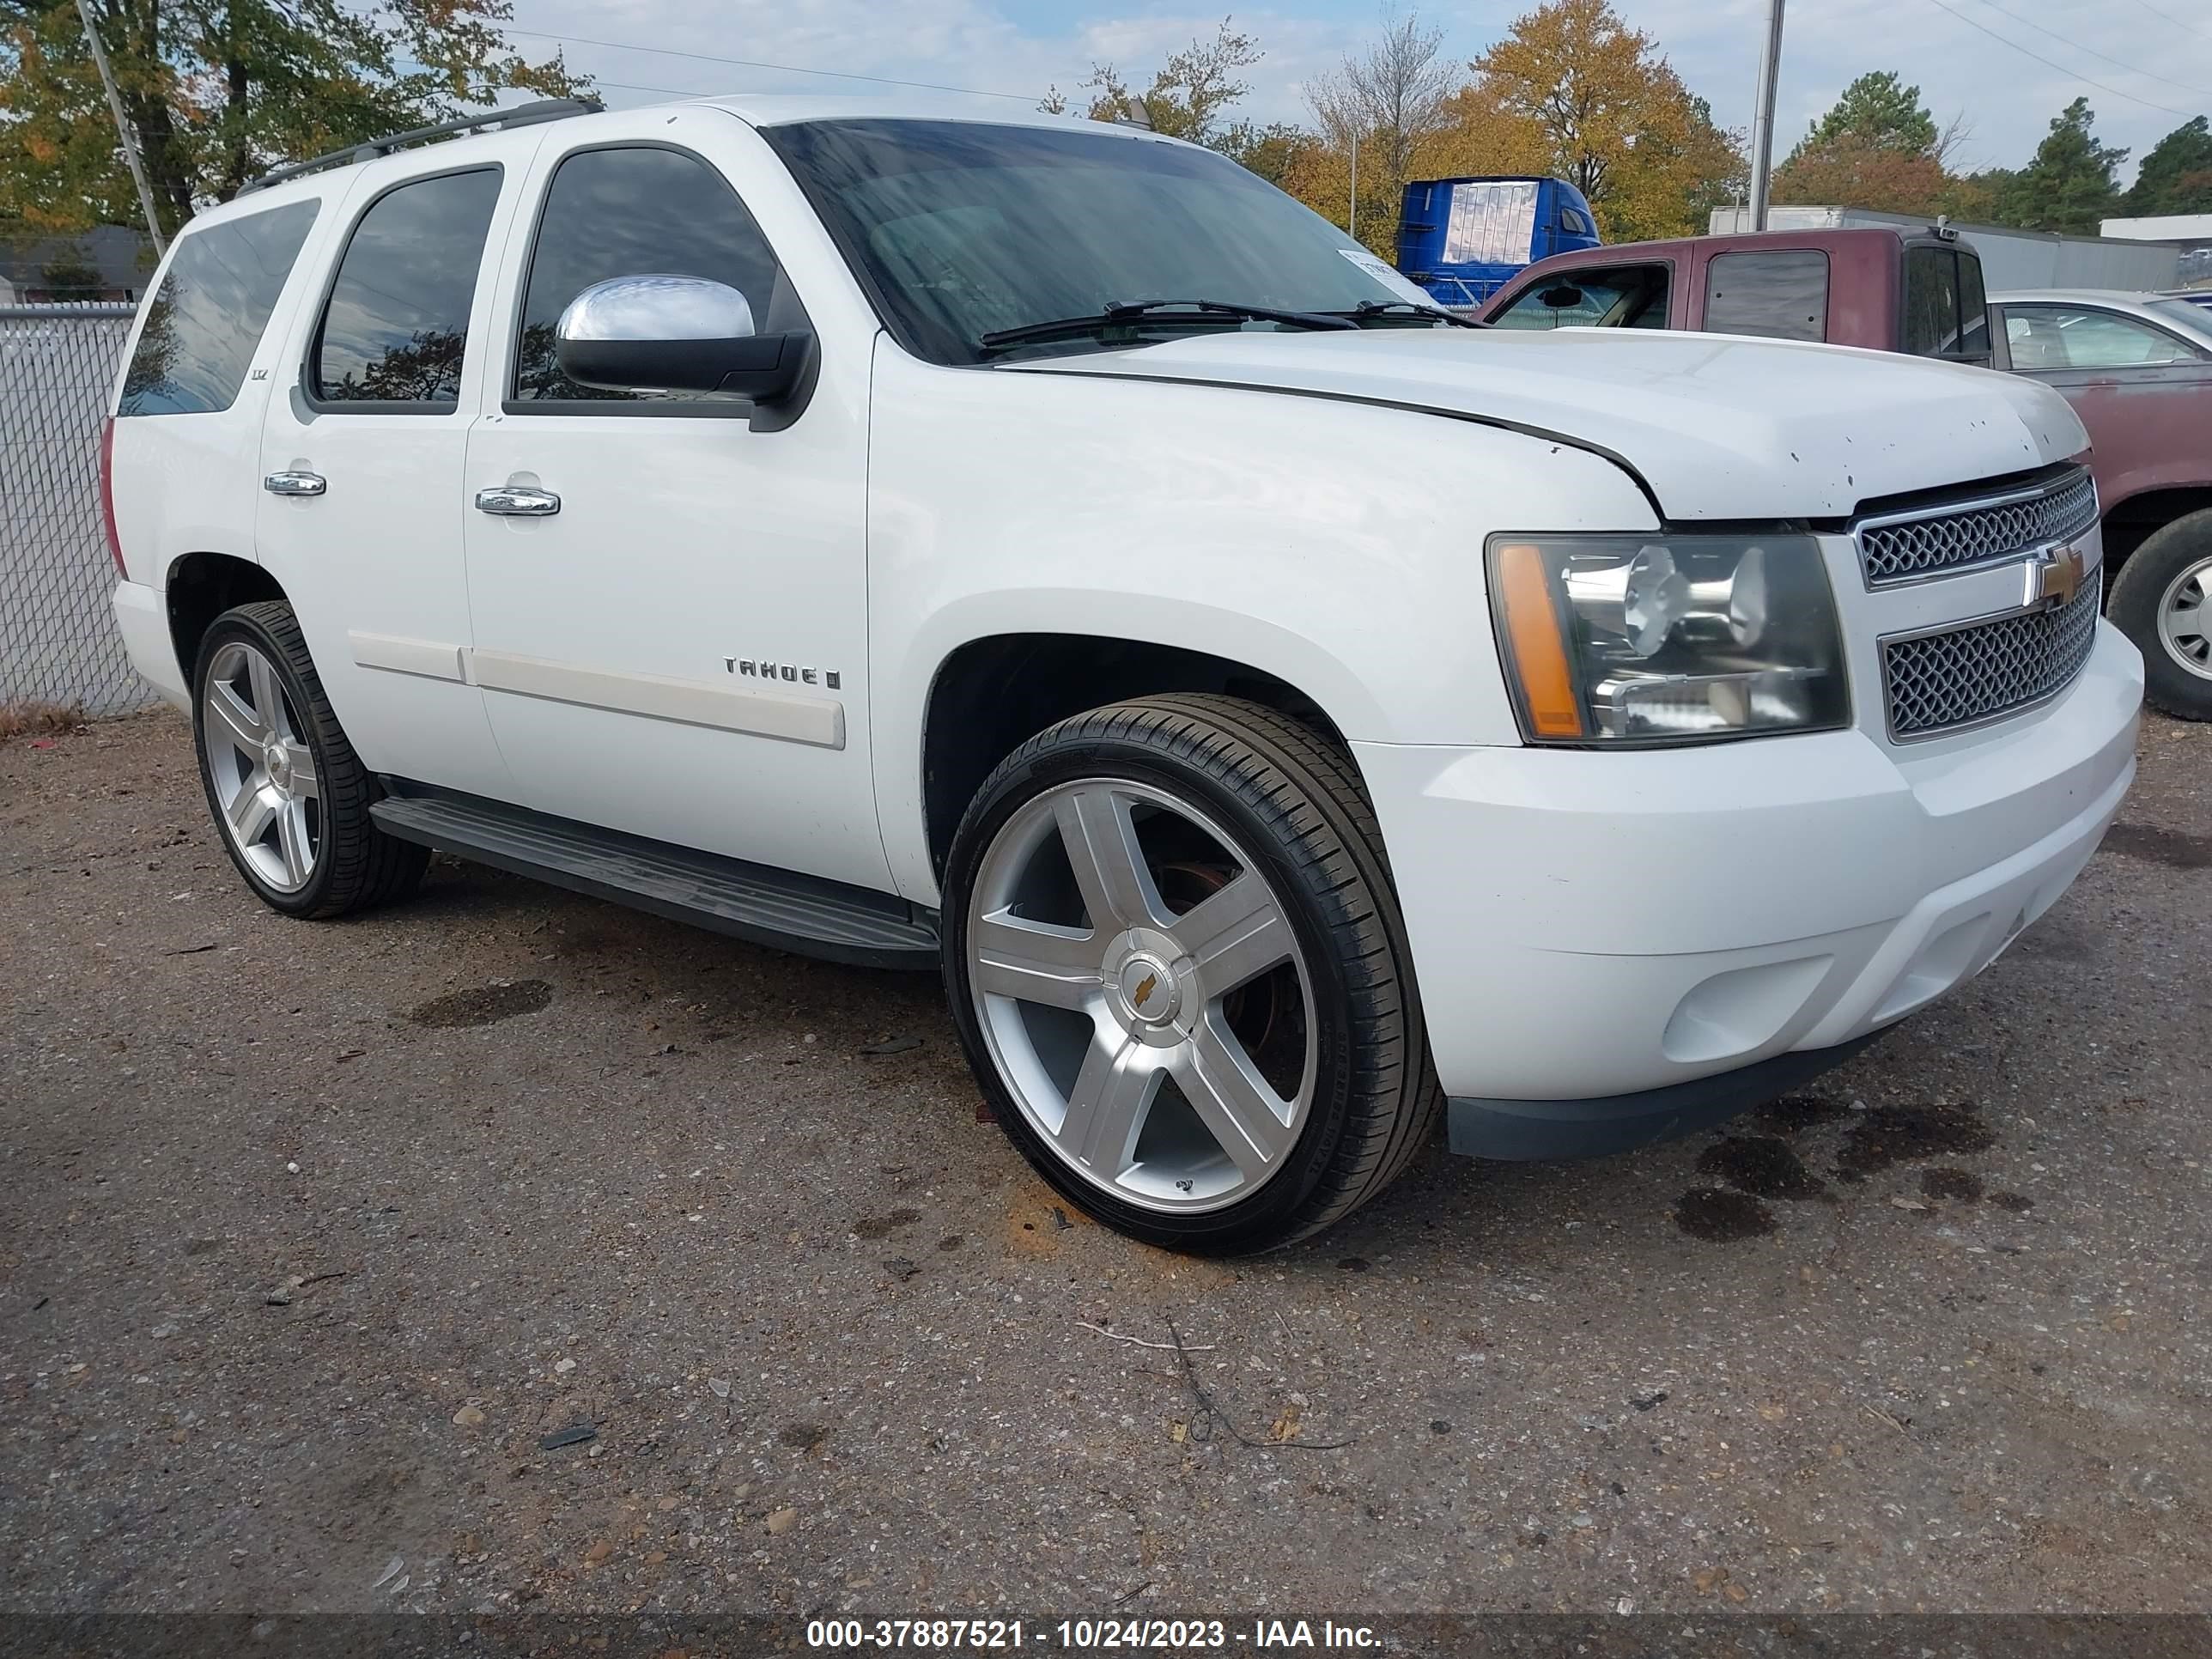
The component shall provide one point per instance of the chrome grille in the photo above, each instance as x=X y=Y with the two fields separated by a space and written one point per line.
x=1937 y=682
x=1942 y=539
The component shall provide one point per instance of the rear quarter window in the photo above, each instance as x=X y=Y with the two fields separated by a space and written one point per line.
x=1782 y=295
x=206 y=318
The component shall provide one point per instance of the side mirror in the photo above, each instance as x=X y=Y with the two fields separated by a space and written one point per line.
x=1564 y=297
x=676 y=334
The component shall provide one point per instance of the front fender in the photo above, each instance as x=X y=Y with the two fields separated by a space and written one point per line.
x=1335 y=546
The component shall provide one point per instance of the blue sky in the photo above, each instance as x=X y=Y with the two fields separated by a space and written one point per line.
x=2158 y=53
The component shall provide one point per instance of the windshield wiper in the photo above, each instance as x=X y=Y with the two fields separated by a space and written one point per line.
x=1407 y=308
x=1132 y=311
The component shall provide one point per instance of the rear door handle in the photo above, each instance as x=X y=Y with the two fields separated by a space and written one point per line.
x=518 y=502
x=295 y=483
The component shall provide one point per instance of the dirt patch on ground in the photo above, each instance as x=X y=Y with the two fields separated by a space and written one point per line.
x=482 y=1005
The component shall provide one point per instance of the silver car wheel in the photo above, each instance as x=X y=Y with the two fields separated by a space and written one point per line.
x=260 y=769
x=1142 y=995
x=2185 y=618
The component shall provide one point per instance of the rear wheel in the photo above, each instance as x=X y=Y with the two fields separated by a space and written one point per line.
x=2163 y=601
x=1181 y=976
x=290 y=798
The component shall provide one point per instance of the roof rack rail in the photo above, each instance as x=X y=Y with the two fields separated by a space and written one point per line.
x=522 y=115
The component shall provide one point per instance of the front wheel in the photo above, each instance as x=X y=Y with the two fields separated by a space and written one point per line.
x=1181 y=976
x=2163 y=601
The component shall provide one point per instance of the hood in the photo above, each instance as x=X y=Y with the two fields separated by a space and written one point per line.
x=1718 y=426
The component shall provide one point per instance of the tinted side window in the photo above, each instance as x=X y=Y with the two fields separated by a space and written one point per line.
x=1973 y=308
x=397 y=320
x=633 y=212
x=1932 y=304
x=1620 y=296
x=205 y=320
x=1779 y=296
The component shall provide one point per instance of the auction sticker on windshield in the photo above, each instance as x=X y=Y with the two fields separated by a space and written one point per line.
x=1381 y=272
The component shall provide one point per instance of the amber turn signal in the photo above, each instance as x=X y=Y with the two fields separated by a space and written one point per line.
x=1536 y=642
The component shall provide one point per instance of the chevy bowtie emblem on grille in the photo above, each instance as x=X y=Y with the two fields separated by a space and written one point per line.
x=2055 y=576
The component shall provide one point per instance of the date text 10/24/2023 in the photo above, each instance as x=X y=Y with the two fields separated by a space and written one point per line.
x=1089 y=1635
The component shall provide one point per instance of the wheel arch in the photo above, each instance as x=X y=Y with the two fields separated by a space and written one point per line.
x=2134 y=520
x=201 y=587
x=991 y=693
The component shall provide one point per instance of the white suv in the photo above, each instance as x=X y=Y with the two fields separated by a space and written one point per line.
x=1041 y=549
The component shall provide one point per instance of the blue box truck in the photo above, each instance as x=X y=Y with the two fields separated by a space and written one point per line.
x=1462 y=239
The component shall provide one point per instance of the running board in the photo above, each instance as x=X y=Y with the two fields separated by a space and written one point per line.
x=776 y=908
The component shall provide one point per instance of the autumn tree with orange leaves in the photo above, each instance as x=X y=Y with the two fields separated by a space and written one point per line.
x=1613 y=119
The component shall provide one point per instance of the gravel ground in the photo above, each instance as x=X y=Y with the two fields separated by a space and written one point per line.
x=312 y=1234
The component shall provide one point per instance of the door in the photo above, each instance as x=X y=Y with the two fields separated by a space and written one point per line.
x=670 y=631
x=2143 y=392
x=360 y=515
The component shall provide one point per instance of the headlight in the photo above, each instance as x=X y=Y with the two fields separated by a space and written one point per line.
x=1667 y=639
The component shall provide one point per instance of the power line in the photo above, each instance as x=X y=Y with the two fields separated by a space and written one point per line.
x=749 y=63
x=2170 y=18
x=2105 y=57
x=2071 y=75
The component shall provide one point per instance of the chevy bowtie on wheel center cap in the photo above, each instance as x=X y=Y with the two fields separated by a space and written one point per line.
x=278 y=764
x=1148 y=989
x=1149 y=985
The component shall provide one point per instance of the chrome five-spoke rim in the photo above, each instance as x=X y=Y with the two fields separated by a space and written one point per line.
x=266 y=789
x=2185 y=618
x=1143 y=996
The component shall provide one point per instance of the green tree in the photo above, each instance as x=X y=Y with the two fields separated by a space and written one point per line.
x=70 y=271
x=1272 y=151
x=1190 y=95
x=1978 y=197
x=2072 y=182
x=1876 y=147
x=217 y=91
x=2176 y=172
x=1877 y=111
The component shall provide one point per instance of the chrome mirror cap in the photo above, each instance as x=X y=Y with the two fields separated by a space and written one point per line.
x=657 y=307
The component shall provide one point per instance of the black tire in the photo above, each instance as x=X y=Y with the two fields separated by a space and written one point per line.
x=2137 y=592
x=357 y=865
x=1295 y=800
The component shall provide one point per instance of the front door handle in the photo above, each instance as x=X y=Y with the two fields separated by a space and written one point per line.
x=518 y=502
x=295 y=482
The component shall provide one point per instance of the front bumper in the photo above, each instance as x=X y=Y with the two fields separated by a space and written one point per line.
x=1589 y=928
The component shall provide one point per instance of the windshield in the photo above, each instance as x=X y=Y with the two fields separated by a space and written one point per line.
x=2195 y=318
x=960 y=229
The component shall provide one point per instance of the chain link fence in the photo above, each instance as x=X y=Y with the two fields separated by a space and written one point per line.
x=58 y=644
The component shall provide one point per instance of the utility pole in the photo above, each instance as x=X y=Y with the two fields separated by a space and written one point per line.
x=1762 y=120
x=123 y=129
x=1352 y=230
